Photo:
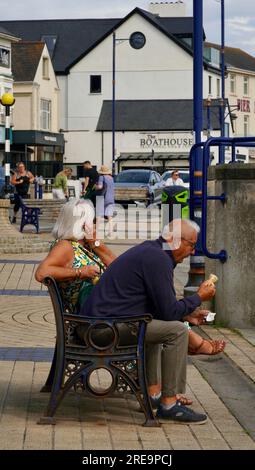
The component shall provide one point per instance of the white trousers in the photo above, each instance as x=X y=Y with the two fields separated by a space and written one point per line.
x=58 y=193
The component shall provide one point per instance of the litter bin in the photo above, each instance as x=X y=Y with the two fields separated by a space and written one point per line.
x=174 y=203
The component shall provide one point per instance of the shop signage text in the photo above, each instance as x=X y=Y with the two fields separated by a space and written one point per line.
x=244 y=105
x=153 y=141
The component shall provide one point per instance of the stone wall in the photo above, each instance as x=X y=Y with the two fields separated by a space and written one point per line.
x=231 y=226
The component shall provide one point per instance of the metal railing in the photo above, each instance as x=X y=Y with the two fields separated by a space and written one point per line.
x=200 y=200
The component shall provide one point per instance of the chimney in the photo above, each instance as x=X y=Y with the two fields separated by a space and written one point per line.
x=168 y=9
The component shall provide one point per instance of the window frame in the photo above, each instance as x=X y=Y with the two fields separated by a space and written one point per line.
x=218 y=87
x=209 y=85
x=45 y=68
x=246 y=86
x=246 y=125
x=8 y=51
x=45 y=114
x=232 y=83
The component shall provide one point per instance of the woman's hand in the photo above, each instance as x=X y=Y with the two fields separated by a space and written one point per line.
x=90 y=233
x=89 y=272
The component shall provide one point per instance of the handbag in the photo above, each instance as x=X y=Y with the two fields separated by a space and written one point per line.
x=87 y=286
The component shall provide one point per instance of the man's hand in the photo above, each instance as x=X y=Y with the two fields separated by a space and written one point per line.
x=198 y=317
x=205 y=291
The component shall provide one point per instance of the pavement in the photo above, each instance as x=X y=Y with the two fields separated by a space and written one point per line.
x=221 y=386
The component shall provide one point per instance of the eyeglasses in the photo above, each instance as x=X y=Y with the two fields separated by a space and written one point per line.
x=191 y=244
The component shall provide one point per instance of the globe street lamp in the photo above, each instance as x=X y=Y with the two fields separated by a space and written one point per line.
x=7 y=100
x=136 y=40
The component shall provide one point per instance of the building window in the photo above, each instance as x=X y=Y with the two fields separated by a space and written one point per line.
x=5 y=55
x=226 y=129
x=209 y=85
x=246 y=86
x=95 y=83
x=45 y=115
x=232 y=83
x=246 y=126
x=45 y=68
x=218 y=87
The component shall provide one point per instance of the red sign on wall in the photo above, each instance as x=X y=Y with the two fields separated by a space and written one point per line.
x=244 y=105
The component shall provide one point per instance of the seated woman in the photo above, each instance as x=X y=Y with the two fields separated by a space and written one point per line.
x=76 y=259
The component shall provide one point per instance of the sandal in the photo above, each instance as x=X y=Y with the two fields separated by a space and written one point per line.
x=184 y=400
x=216 y=346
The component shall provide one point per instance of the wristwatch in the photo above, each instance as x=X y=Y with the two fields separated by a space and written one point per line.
x=97 y=243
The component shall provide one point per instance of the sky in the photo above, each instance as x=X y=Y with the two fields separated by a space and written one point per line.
x=239 y=15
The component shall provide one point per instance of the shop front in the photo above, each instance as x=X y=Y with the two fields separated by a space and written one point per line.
x=158 y=150
x=42 y=152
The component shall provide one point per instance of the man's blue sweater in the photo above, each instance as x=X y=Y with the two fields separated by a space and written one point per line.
x=137 y=282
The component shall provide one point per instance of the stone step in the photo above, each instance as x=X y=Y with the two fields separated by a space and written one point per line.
x=49 y=209
x=24 y=247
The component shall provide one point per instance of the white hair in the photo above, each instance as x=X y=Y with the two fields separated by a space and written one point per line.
x=75 y=220
x=176 y=225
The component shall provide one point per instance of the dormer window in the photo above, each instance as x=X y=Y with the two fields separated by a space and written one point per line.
x=50 y=41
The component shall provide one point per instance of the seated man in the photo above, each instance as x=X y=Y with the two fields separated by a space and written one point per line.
x=141 y=281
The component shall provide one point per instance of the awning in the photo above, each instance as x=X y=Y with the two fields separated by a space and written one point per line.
x=148 y=157
x=35 y=138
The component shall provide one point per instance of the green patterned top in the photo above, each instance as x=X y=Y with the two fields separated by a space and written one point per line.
x=76 y=291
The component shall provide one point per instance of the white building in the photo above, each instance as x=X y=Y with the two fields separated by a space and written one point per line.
x=36 y=137
x=153 y=86
x=240 y=91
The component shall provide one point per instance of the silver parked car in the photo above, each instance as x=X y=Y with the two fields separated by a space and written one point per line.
x=138 y=185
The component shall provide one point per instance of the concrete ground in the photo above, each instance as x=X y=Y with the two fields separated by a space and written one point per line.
x=27 y=336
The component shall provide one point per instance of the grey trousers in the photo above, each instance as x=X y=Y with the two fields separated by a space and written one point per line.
x=166 y=355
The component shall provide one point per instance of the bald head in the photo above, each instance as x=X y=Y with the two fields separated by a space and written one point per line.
x=180 y=228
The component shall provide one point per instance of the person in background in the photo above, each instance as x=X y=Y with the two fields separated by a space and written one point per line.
x=174 y=179
x=59 y=188
x=91 y=178
x=21 y=180
x=105 y=205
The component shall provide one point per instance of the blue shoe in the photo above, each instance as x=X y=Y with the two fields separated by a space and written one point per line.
x=155 y=402
x=181 y=414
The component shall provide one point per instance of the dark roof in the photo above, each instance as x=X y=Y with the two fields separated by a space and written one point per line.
x=236 y=57
x=73 y=36
x=76 y=37
x=154 y=115
x=25 y=60
x=5 y=32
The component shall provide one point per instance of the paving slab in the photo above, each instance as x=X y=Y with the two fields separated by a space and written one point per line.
x=27 y=338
